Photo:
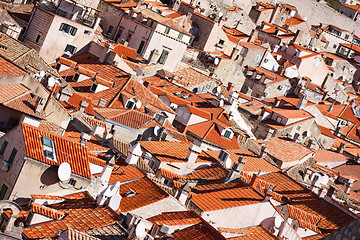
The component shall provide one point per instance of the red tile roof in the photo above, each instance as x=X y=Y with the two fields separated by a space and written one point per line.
x=307 y=206
x=66 y=150
x=125 y=52
x=9 y=68
x=47 y=211
x=81 y=213
x=324 y=155
x=235 y=35
x=280 y=149
x=171 y=151
x=191 y=77
x=227 y=198
x=176 y=218
x=201 y=231
x=252 y=233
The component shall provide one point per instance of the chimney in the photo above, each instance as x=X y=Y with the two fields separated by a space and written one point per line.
x=307 y=174
x=331 y=108
x=230 y=87
x=348 y=185
x=193 y=153
x=268 y=194
x=261 y=115
x=176 y=5
x=84 y=137
x=338 y=131
x=101 y=102
x=276 y=102
x=296 y=37
x=330 y=192
x=236 y=170
x=254 y=34
x=110 y=191
x=146 y=84
x=322 y=192
x=39 y=105
x=270 y=133
x=302 y=102
x=264 y=150
x=139 y=3
x=65 y=94
x=234 y=53
x=106 y=172
x=310 y=142
x=188 y=17
x=341 y=148
x=83 y=106
x=296 y=136
x=135 y=153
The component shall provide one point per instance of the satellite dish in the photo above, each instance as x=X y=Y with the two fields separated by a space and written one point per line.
x=156 y=130
x=139 y=72
x=51 y=82
x=221 y=14
x=140 y=230
x=114 y=202
x=138 y=104
x=228 y=163
x=42 y=74
x=218 y=89
x=216 y=61
x=278 y=221
x=64 y=171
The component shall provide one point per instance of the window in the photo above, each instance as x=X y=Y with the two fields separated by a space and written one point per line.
x=72 y=182
x=227 y=134
x=3 y=191
x=167 y=30
x=278 y=119
x=87 y=32
x=221 y=42
x=93 y=87
x=3 y=148
x=343 y=68
x=38 y=38
x=163 y=56
x=326 y=45
x=346 y=36
x=70 y=49
x=57 y=67
x=257 y=59
x=166 y=181
x=12 y=156
x=334 y=46
x=109 y=30
x=129 y=36
x=47 y=141
x=68 y=29
x=181 y=35
x=76 y=77
x=130 y=104
x=141 y=46
x=160 y=118
x=151 y=23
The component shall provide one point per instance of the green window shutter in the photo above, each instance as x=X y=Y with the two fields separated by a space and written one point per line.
x=3 y=148
x=12 y=156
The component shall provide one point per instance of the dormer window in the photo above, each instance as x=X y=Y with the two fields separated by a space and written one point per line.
x=228 y=133
x=93 y=87
x=76 y=77
x=130 y=104
x=48 y=148
x=160 y=118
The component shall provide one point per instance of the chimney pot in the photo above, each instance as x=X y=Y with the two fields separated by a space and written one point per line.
x=264 y=150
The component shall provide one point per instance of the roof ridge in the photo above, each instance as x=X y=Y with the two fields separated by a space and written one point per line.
x=47 y=211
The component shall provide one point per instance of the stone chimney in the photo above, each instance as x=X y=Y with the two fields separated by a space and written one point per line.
x=348 y=185
x=139 y=3
x=270 y=133
x=296 y=136
x=268 y=194
x=193 y=153
x=309 y=144
x=338 y=131
x=83 y=106
x=135 y=153
x=234 y=53
x=302 y=102
x=106 y=172
x=65 y=94
x=84 y=137
x=176 y=5
x=341 y=148
x=330 y=192
x=230 y=87
x=110 y=191
x=322 y=192
x=331 y=108
x=263 y=152
x=39 y=105
x=254 y=34
x=236 y=170
x=277 y=102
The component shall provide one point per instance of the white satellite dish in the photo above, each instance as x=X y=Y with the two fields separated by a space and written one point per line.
x=114 y=202
x=51 y=82
x=228 y=163
x=218 y=89
x=221 y=14
x=140 y=230
x=278 y=221
x=64 y=171
x=139 y=72
x=138 y=104
x=42 y=74
x=216 y=61
x=156 y=130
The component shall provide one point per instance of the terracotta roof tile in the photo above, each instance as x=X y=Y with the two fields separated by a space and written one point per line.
x=252 y=233
x=191 y=77
x=280 y=148
x=200 y=231
x=66 y=150
x=176 y=218
x=46 y=211
x=9 y=68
